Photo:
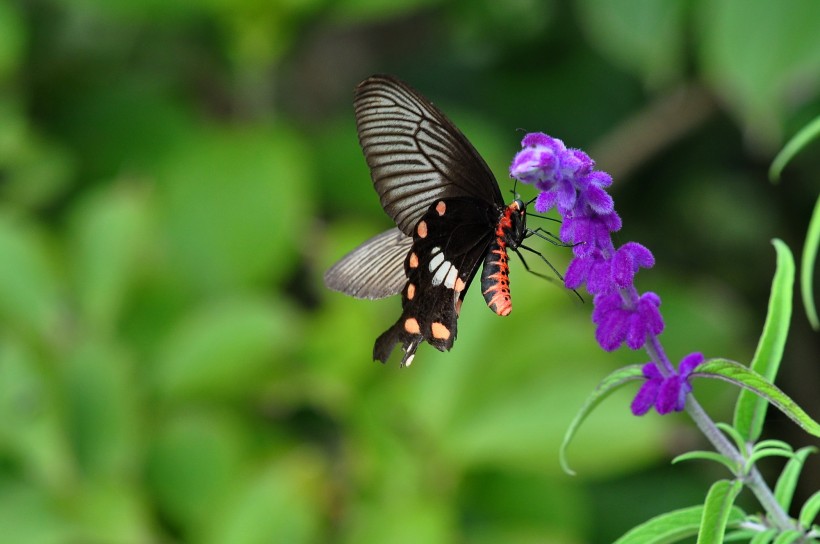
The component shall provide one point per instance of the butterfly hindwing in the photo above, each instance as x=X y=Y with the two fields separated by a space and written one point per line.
x=373 y=270
x=449 y=242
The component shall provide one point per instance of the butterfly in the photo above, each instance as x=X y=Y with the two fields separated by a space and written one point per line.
x=449 y=213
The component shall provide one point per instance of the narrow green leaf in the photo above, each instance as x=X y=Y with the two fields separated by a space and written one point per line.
x=765 y=537
x=793 y=147
x=604 y=389
x=772 y=443
x=787 y=483
x=717 y=510
x=672 y=526
x=753 y=382
x=735 y=435
x=787 y=537
x=708 y=456
x=807 y=267
x=810 y=510
x=763 y=453
x=751 y=410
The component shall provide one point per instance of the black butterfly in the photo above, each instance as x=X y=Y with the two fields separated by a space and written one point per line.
x=449 y=216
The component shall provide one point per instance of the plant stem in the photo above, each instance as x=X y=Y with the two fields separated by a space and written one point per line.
x=753 y=480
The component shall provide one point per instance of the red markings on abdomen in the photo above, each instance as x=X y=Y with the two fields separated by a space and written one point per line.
x=495 y=279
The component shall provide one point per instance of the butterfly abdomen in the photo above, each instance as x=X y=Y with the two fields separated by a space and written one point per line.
x=495 y=276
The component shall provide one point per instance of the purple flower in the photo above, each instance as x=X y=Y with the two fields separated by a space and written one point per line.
x=568 y=182
x=619 y=322
x=665 y=393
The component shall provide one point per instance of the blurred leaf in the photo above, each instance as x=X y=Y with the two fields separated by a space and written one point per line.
x=12 y=39
x=807 y=267
x=407 y=519
x=719 y=511
x=234 y=204
x=644 y=36
x=195 y=461
x=281 y=501
x=29 y=516
x=759 y=78
x=109 y=234
x=102 y=395
x=750 y=409
x=226 y=350
x=35 y=171
x=112 y=511
x=32 y=432
x=28 y=284
x=351 y=11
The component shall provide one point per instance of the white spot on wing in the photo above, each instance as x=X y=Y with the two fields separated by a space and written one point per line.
x=437 y=259
x=442 y=272
x=450 y=280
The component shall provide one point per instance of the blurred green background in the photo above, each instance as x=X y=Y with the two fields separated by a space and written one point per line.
x=175 y=177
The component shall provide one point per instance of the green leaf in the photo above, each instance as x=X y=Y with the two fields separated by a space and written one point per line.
x=672 y=526
x=787 y=537
x=787 y=483
x=772 y=443
x=807 y=267
x=765 y=537
x=604 y=389
x=225 y=350
x=793 y=147
x=645 y=37
x=708 y=456
x=756 y=384
x=762 y=453
x=810 y=510
x=757 y=78
x=733 y=433
x=29 y=289
x=717 y=510
x=109 y=232
x=751 y=410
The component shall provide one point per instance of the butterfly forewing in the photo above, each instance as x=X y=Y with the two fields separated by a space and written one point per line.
x=416 y=155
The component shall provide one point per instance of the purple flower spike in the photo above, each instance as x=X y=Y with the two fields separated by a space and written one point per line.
x=666 y=394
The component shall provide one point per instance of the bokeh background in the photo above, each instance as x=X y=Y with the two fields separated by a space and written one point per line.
x=175 y=176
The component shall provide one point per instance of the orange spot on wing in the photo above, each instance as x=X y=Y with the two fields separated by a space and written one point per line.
x=421 y=229
x=460 y=285
x=441 y=207
x=413 y=261
x=411 y=325
x=411 y=291
x=440 y=332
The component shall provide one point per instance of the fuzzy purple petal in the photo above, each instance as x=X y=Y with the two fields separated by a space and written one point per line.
x=598 y=200
x=689 y=363
x=577 y=272
x=648 y=306
x=669 y=395
x=600 y=179
x=545 y=201
x=636 y=333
